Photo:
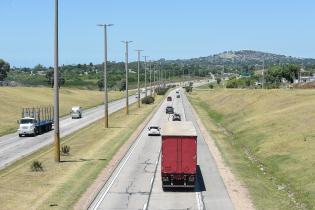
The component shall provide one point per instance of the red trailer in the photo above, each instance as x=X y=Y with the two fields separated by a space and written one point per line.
x=179 y=154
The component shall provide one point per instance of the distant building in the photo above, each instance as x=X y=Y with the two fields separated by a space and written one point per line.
x=41 y=73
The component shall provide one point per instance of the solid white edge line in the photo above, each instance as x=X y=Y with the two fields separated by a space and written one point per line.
x=145 y=206
x=199 y=201
x=151 y=180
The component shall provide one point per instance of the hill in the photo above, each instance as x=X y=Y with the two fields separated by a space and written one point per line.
x=244 y=57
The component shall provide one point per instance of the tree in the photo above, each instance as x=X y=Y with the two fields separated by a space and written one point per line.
x=100 y=84
x=39 y=67
x=122 y=85
x=50 y=79
x=4 y=69
x=290 y=72
x=218 y=80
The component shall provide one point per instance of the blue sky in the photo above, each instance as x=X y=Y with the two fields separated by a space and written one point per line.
x=163 y=28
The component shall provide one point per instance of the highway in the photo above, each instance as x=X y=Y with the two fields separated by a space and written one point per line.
x=13 y=147
x=136 y=182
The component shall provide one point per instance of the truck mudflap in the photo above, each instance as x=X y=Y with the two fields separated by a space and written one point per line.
x=178 y=180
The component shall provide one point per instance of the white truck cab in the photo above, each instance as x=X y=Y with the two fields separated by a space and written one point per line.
x=27 y=126
x=76 y=112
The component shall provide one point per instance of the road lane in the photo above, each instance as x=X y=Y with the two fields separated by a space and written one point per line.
x=130 y=184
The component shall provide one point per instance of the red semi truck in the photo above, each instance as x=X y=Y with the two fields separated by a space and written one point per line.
x=179 y=155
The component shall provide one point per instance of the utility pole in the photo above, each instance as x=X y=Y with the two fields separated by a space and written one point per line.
x=126 y=68
x=139 y=51
x=150 y=78
x=160 y=78
x=56 y=89
x=154 y=85
x=145 y=75
x=105 y=72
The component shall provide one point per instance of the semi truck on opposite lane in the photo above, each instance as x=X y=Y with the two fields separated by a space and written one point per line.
x=36 y=121
x=179 y=155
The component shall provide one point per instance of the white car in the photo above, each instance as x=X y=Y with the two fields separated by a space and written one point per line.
x=154 y=131
x=76 y=112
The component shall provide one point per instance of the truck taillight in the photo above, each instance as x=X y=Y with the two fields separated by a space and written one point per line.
x=165 y=179
x=192 y=178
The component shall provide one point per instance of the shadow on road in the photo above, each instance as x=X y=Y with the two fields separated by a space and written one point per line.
x=200 y=184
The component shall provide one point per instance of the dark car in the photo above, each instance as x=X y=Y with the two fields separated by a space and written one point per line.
x=176 y=117
x=169 y=98
x=169 y=110
x=178 y=96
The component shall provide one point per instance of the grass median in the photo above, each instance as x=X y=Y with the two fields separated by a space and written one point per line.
x=13 y=99
x=267 y=137
x=59 y=186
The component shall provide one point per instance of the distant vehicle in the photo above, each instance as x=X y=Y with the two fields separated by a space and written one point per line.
x=177 y=91
x=169 y=110
x=179 y=155
x=169 y=98
x=154 y=131
x=178 y=96
x=143 y=90
x=35 y=121
x=76 y=112
x=176 y=117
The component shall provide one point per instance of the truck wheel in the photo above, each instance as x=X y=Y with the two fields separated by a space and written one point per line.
x=20 y=135
x=36 y=132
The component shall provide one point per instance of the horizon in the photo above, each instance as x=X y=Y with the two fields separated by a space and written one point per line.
x=172 y=30
x=130 y=61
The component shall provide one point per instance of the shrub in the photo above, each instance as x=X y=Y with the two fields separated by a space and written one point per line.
x=188 y=89
x=218 y=79
x=232 y=83
x=211 y=86
x=147 y=100
x=65 y=149
x=37 y=166
x=161 y=91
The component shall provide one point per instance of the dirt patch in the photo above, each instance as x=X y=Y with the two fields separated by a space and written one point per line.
x=237 y=192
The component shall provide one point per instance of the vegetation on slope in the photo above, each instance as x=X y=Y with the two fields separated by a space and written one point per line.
x=268 y=138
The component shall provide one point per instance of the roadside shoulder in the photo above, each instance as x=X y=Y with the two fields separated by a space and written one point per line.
x=238 y=193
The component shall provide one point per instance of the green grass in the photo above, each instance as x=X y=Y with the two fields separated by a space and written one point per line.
x=276 y=129
x=63 y=184
x=14 y=98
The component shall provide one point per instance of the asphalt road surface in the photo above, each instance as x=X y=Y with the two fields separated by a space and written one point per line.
x=136 y=182
x=13 y=147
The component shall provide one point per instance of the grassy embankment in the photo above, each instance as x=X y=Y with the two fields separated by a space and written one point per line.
x=267 y=137
x=59 y=186
x=14 y=98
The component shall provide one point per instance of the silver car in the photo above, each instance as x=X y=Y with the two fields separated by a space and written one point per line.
x=76 y=112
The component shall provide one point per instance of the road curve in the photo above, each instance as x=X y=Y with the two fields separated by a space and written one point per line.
x=136 y=182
